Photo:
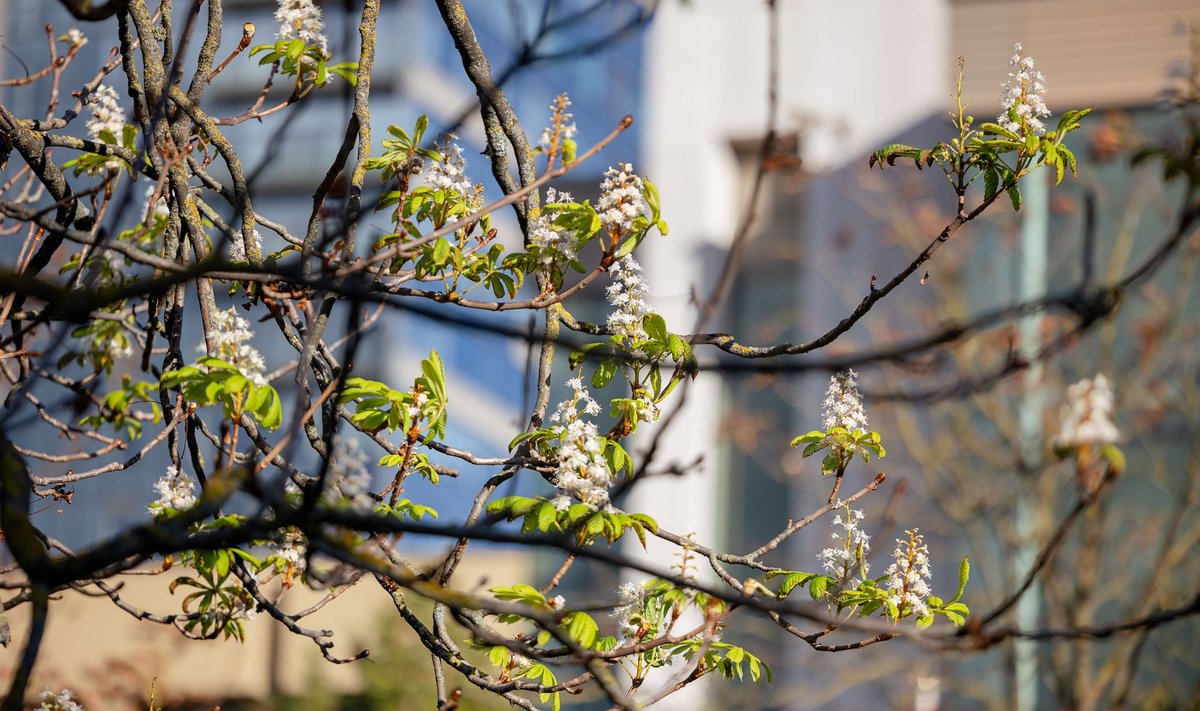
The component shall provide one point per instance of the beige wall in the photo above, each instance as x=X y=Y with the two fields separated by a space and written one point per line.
x=1099 y=53
x=110 y=658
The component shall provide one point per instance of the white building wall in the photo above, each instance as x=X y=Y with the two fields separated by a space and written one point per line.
x=851 y=74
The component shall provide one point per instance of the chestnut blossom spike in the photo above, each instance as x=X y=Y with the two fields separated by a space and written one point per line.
x=449 y=173
x=843 y=405
x=107 y=115
x=237 y=246
x=555 y=246
x=350 y=479
x=301 y=19
x=59 y=701
x=1023 y=102
x=231 y=335
x=293 y=551
x=560 y=124
x=1087 y=415
x=175 y=491
x=115 y=343
x=629 y=603
x=909 y=574
x=621 y=199
x=582 y=473
x=627 y=295
x=74 y=37
x=846 y=560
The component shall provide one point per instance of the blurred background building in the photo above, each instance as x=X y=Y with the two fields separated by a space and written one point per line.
x=852 y=78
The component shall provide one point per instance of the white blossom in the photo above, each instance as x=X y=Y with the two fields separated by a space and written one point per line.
x=107 y=115
x=449 y=173
x=113 y=342
x=629 y=603
x=415 y=408
x=350 y=480
x=557 y=602
x=75 y=37
x=160 y=208
x=627 y=294
x=555 y=245
x=582 y=473
x=237 y=247
x=231 y=335
x=292 y=551
x=846 y=560
x=59 y=701
x=1023 y=101
x=645 y=407
x=843 y=404
x=908 y=576
x=566 y=130
x=175 y=491
x=1087 y=415
x=620 y=198
x=301 y=19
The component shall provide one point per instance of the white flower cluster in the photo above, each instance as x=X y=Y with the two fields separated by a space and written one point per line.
x=1023 y=102
x=231 y=334
x=847 y=561
x=75 y=37
x=414 y=410
x=908 y=576
x=644 y=406
x=107 y=115
x=160 y=209
x=620 y=198
x=301 y=19
x=175 y=491
x=629 y=598
x=237 y=247
x=350 y=480
x=568 y=130
x=449 y=173
x=293 y=551
x=843 y=405
x=555 y=246
x=627 y=295
x=1087 y=415
x=115 y=343
x=62 y=701
x=582 y=472
x=239 y=609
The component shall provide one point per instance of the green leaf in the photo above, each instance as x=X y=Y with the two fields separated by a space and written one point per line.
x=435 y=373
x=991 y=183
x=420 y=128
x=1014 y=195
x=792 y=581
x=964 y=573
x=441 y=251
x=582 y=628
x=273 y=416
x=294 y=49
x=547 y=516
x=808 y=437
x=604 y=373
x=645 y=520
x=817 y=586
x=655 y=327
